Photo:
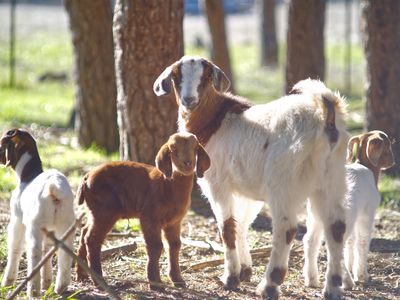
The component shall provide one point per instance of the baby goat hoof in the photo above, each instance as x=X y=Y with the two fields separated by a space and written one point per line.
x=245 y=273
x=232 y=283
x=180 y=284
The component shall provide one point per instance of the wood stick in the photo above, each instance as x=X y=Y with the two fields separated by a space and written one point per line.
x=210 y=245
x=97 y=278
x=123 y=248
x=48 y=255
x=255 y=254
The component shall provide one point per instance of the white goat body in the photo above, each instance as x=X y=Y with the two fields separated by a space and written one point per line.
x=281 y=152
x=40 y=200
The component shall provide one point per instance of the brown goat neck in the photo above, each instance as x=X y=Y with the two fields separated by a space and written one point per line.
x=206 y=119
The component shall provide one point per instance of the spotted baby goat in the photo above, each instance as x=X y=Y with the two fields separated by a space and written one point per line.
x=42 y=199
x=159 y=197
x=281 y=153
x=373 y=154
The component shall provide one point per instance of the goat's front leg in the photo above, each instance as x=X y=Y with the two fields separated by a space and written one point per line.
x=172 y=235
x=34 y=239
x=16 y=232
x=284 y=224
x=154 y=246
x=246 y=212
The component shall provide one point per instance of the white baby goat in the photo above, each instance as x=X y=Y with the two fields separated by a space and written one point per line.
x=373 y=154
x=281 y=152
x=40 y=200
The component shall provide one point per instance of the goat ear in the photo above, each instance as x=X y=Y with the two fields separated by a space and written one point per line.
x=163 y=161
x=350 y=148
x=203 y=161
x=374 y=151
x=163 y=84
x=10 y=155
x=220 y=80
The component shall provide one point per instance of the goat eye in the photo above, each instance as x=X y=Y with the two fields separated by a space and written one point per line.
x=11 y=132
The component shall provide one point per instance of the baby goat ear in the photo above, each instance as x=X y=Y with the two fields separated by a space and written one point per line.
x=374 y=151
x=163 y=84
x=203 y=161
x=220 y=80
x=350 y=148
x=163 y=161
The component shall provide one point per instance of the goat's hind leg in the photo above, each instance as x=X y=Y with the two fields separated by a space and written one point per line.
x=64 y=262
x=312 y=242
x=82 y=253
x=16 y=233
x=46 y=270
x=34 y=241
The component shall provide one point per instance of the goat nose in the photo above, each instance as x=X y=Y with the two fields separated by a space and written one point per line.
x=187 y=163
x=188 y=100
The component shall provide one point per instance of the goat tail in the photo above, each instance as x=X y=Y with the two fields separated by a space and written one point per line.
x=332 y=104
x=80 y=193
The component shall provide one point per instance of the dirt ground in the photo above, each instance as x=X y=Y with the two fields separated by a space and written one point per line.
x=126 y=272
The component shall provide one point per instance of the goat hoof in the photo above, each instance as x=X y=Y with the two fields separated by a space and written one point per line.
x=81 y=276
x=245 y=273
x=156 y=286
x=335 y=294
x=348 y=283
x=269 y=293
x=180 y=284
x=231 y=283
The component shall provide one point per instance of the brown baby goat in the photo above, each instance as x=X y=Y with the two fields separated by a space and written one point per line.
x=159 y=197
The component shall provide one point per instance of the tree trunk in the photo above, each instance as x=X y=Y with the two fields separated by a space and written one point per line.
x=96 y=116
x=148 y=37
x=305 y=41
x=381 y=32
x=214 y=10
x=269 y=44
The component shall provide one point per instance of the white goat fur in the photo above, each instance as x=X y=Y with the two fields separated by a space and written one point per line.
x=277 y=153
x=361 y=202
x=33 y=208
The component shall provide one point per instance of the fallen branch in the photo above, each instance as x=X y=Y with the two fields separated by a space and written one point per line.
x=97 y=278
x=123 y=248
x=210 y=245
x=255 y=254
x=48 y=255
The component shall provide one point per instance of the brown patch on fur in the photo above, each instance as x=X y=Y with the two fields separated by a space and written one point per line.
x=290 y=235
x=278 y=275
x=245 y=273
x=208 y=116
x=336 y=280
x=330 y=126
x=272 y=293
x=338 y=229
x=229 y=233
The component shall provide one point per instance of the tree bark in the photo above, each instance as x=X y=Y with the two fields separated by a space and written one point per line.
x=269 y=44
x=214 y=10
x=305 y=41
x=96 y=116
x=148 y=37
x=381 y=33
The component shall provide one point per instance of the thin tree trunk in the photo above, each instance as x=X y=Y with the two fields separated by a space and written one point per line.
x=96 y=117
x=381 y=32
x=148 y=37
x=305 y=41
x=214 y=10
x=269 y=44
